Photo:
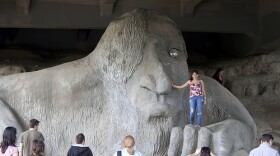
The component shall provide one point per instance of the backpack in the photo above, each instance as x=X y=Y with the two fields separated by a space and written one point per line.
x=119 y=153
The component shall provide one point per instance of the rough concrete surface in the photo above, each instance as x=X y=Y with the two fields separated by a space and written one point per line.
x=255 y=82
x=124 y=87
x=234 y=132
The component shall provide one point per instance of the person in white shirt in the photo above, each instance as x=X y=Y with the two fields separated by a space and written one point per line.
x=265 y=147
x=128 y=150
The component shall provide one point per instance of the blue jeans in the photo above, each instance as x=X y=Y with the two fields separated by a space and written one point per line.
x=196 y=105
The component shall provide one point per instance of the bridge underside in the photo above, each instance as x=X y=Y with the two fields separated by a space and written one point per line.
x=249 y=26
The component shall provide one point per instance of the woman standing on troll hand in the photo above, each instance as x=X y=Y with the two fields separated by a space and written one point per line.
x=197 y=96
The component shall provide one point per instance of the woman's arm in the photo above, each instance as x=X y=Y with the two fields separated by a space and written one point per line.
x=196 y=153
x=203 y=91
x=182 y=86
x=15 y=154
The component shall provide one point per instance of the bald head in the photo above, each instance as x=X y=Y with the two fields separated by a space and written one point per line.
x=128 y=141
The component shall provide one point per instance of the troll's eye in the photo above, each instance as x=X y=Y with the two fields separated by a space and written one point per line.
x=173 y=52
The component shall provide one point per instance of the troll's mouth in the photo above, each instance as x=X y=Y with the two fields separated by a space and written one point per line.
x=159 y=112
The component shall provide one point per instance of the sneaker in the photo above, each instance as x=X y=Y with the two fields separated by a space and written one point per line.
x=191 y=125
x=197 y=126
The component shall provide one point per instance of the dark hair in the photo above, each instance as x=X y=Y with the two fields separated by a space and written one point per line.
x=38 y=147
x=80 y=138
x=193 y=71
x=217 y=74
x=267 y=138
x=33 y=123
x=205 y=151
x=9 y=138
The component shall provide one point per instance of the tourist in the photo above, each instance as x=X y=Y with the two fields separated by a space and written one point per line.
x=38 y=148
x=219 y=75
x=204 y=151
x=27 y=137
x=128 y=150
x=265 y=147
x=7 y=146
x=79 y=149
x=197 y=96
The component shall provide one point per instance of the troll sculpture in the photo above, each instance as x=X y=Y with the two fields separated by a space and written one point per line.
x=124 y=87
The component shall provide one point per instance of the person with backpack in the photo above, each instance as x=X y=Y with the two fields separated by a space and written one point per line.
x=128 y=150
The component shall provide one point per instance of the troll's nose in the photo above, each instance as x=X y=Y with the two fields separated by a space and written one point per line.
x=160 y=83
x=163 y=84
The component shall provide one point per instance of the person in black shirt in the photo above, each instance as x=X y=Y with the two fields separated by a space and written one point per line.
x=79 y=149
